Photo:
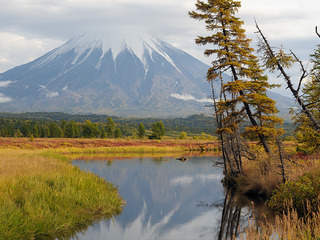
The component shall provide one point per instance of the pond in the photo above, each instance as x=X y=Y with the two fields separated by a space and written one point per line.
x=167 y=199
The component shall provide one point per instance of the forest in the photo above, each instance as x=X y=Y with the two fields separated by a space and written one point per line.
x=59 y=125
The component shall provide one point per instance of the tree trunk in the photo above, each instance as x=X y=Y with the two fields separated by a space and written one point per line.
x=262 y=138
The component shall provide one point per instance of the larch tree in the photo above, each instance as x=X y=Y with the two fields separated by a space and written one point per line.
x=310 y=136
x=243 y=97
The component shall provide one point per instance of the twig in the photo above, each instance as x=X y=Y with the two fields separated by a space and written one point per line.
x=304 y=72
x=317 y=32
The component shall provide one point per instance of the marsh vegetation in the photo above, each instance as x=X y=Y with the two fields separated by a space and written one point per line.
x=44 y=197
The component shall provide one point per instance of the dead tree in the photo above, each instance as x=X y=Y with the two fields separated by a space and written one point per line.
x=277 y=62
x=231 y=144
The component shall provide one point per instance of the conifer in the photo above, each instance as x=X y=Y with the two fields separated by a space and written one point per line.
x=244 y=96
x=310 y=136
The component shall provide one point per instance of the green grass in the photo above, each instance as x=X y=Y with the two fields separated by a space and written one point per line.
x=42 y=197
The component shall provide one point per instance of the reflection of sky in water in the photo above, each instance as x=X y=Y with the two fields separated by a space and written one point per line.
x=163 y=199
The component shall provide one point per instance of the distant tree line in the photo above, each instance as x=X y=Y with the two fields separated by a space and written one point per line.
x=194 y=124
x=88 y=126
x=73 y=129
x=66 y=129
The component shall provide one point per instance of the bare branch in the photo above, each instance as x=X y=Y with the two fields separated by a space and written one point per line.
x=313 y=103
x=317 y=32
x=287 y=78
x=304 y=72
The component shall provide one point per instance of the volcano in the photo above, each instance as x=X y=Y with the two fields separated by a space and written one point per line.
x=124 y=74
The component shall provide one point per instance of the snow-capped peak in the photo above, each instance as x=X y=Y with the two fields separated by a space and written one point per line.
x=137 y=42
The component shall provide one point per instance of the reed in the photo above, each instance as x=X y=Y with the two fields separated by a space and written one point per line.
x=44 y=197
x=287 y=226
x=296 y=203
x=259 y=179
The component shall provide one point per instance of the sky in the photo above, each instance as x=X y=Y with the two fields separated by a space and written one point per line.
x=31 y=28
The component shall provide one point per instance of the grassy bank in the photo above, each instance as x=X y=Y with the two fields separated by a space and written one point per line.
x=296 y=203
x=42 y=196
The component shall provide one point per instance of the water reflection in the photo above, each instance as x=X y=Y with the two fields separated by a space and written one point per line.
x=230 y=219
x=166 y=199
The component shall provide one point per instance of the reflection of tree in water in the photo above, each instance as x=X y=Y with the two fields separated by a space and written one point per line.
x=235 y=212
x=230 y=219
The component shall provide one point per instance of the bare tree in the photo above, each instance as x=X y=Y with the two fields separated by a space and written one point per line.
x=280 y=61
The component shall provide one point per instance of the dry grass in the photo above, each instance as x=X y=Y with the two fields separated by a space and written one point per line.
x=54 y=143
x=258 y=179
x=18 y=163
x=286 y=226
x=262 y=177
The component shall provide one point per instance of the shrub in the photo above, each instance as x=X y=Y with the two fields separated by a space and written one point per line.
x=183 y=135
x=295 y=194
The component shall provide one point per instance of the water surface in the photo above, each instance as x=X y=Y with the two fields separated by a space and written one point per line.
x=165 y=199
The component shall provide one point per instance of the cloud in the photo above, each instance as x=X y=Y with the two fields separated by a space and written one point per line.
x=17 y=49
x=51 y=94
x=187 y=97
x=186 y=180
x=6 y=83
x=30 y=28
x=48 y=93
x=4 y=99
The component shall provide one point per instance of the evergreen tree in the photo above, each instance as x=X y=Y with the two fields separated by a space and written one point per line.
x=26 y=130
x=103 y=133
x=18 y=133
x=90 y=130
x=55 y=131
x=47 y=132
x=35 y=131
x=117 y=133
x=70 y=129
x=158 y=130
x=111 y=127
x=63 y=125
x=141 y=131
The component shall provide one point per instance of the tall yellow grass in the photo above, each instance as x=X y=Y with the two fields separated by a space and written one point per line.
x=263 y=177
x=285 y=226
x=126 y=149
